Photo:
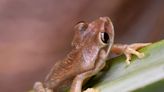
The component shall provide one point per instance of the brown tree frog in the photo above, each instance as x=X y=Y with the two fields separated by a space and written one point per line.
x=92 y=44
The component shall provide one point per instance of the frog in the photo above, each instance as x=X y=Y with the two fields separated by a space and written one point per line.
x=91 y=46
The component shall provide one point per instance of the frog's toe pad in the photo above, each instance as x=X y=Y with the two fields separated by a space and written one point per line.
x=91 y=90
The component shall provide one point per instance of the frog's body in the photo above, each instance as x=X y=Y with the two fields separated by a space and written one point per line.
x=74 y=59
x=92 y=44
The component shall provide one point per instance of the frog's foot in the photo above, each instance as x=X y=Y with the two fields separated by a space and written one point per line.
x=131 y=49
x=128 y=50
x=91 y=90
x=38 y=87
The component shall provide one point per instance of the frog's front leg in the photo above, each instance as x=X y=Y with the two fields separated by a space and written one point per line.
x=38 y=87
x=79 y=79
x=128 y=50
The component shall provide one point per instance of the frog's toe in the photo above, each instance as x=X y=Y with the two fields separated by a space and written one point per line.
x=38 y=87
x=132 y=49
x=91 y=90
x=128 y=58
x=48 y=90
x=136 y=46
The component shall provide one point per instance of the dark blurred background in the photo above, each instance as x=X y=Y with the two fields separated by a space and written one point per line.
x=36 y=33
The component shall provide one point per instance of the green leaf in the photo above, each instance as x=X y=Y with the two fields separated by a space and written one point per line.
x=139 y=76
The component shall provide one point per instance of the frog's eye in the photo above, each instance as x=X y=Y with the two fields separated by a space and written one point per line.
x=104 y=37
x=81 y=26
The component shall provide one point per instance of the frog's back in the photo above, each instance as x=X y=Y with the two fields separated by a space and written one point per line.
x=76 y=62
x=63 y=72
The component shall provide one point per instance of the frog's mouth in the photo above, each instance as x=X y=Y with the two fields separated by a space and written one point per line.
x=110 y=30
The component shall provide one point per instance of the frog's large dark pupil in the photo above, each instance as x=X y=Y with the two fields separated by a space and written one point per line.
x=104 y=37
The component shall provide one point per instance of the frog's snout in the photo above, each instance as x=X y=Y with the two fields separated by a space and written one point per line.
x=108 y=26
x=107 y=23
x=105 y=19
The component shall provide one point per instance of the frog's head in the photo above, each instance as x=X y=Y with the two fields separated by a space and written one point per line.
x=99 y=32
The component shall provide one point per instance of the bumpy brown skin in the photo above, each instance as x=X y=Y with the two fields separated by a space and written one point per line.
x=87 y=45
x=87 y=57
